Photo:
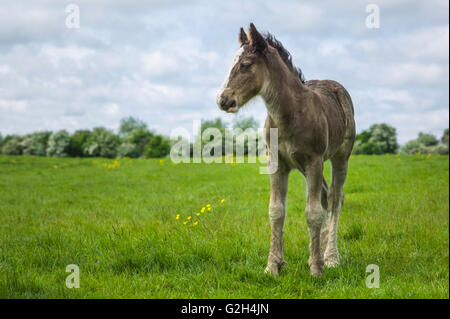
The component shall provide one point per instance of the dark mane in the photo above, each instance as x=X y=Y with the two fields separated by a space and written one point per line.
x=285 y=55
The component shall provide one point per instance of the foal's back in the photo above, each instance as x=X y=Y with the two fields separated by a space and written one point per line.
x=338 y=109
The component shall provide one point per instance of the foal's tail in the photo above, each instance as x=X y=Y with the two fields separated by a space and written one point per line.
x=324 y=198
x=350 y=126
x=346 y=103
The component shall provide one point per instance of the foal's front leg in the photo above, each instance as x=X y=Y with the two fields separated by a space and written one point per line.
x=277 y=213
x=315 y=213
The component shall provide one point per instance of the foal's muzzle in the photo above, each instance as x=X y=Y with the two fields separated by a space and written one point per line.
x=226 y=104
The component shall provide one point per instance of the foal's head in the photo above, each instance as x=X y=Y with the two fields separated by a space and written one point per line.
x=247 y=74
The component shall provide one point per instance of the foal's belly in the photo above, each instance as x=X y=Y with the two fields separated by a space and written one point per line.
x=296 y=158
x=292 y=156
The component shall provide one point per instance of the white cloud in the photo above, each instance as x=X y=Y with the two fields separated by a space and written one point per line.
x=111 y=109
x=164 y=61
x=405 y=73
x=411 y=123
x=13 y=105
x=74 y=53
x=294 y=15
x=366 y=46
x=158 y=63
x=4 y=69
x=427 y=43
x=332 y=48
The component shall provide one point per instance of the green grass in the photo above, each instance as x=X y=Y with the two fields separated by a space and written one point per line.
x=118 y=225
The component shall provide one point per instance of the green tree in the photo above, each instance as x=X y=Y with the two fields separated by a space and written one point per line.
x=102 y=143
x=58 y=144
x=35 y=143
x=133 y=144
x=363 y=137
x=126 y=149
x=441 y=149
x=427 y=144
x=385 y=137
x=413 y=147
x=218 y=124
x=444 y=138
x=157 y=147
x=129 y=124
x=361 y=140
x=378 y=139
x=11 y=145
x=427 y=139
x=78 y=142
x=372 y=148
x=244 y=123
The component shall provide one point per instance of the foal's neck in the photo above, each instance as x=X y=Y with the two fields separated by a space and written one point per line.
x=280 y=93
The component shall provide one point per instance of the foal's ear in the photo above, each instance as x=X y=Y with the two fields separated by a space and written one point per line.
x=242 y=37
x=256 y=39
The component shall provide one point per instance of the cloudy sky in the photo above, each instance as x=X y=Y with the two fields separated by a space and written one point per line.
x=163 y=61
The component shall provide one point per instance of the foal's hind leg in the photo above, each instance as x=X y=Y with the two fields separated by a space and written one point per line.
x=324 y=230
x=315 y=213
x=335 y=203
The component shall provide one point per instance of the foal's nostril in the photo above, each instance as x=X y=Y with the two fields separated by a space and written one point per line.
x=223 y=102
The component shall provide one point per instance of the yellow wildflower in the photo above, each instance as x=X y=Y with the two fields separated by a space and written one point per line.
x=184 y=223
x=178 y=216
x=189 y=217
x=209 y=205
x=209 y=208
x=222 y=201
x=203 y=210
x=196 y=223
x=198 y=214
x=161 y=162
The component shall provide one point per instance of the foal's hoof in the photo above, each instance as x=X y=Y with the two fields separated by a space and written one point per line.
x=331 y=260
x=316 y=270
x=315 y=267
x=274 y=268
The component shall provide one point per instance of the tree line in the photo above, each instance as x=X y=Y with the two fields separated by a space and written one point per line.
x=382 y=139
x=135 y=140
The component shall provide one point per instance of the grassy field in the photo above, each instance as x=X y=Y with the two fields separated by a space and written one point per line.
x=116 y=220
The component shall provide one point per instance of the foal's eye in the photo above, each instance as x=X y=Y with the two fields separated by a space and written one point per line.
x=245 y=66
